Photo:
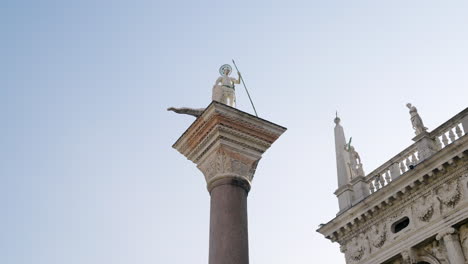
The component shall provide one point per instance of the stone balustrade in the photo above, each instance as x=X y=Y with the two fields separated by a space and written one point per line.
x=392 y=169
x=448 y=134
x=425 y=146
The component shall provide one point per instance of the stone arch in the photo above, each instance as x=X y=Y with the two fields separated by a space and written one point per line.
x=427 y=260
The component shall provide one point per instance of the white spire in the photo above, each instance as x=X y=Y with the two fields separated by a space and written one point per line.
x=342 y=157
x=345 y=190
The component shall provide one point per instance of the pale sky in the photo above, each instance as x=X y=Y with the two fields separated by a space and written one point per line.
x=87 y=171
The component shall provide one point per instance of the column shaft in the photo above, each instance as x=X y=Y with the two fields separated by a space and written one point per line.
x=454 y=250
x=228 y=225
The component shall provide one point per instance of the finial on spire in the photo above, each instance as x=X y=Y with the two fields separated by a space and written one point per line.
x=337 y=119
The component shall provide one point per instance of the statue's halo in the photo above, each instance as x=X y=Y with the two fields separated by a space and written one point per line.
x=221 y=69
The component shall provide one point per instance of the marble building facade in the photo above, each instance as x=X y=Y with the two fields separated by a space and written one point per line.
x=411 y=209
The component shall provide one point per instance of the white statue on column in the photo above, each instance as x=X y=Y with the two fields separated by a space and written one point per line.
x=416 y=120
x=223 y=92
x=224 y=87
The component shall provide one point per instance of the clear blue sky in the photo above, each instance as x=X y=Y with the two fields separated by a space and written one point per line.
x=87 y=172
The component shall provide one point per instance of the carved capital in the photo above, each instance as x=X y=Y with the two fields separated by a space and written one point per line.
x=227 y=144
x=225 y=166
x=446 y=233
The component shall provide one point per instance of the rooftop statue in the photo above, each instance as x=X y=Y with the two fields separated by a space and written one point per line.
x=224 y=89
x=416 y=120
x=223 y=92
x=355 y=161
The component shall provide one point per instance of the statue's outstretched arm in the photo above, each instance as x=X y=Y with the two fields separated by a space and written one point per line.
x=187 y=111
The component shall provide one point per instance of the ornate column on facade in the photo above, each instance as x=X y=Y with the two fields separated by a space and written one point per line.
x=227 y=144
x=452 y=245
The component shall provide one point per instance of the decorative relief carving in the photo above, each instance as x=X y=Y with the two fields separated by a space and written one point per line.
x=224 y=161
x=239 y=167
x=449 y=194
x=424 y=208
x=219 y=163
x=343 y=248
x=355 y=249
x=378 y=235
x=446 y=189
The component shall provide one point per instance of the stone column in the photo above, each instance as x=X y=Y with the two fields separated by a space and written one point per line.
x=226 y=145
x=229 y=174
x=228 y=222
x=452 y=245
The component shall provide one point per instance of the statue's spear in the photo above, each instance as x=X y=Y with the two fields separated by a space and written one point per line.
x=242 y=79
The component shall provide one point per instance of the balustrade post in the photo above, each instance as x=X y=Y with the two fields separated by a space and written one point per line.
x=360 y=189
x=371 y=187
x=387 y=177
x=458 y=131
x=402 y=167
x=445 y=139
x=438 y=143
x=395 y=170
x=451 y=135
x=464 y=123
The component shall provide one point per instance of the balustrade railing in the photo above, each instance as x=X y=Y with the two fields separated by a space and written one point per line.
x=441 y=137
x=392 y=169
x=446 y=137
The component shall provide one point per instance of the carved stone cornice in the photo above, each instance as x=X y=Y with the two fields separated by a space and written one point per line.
x=226 y=144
